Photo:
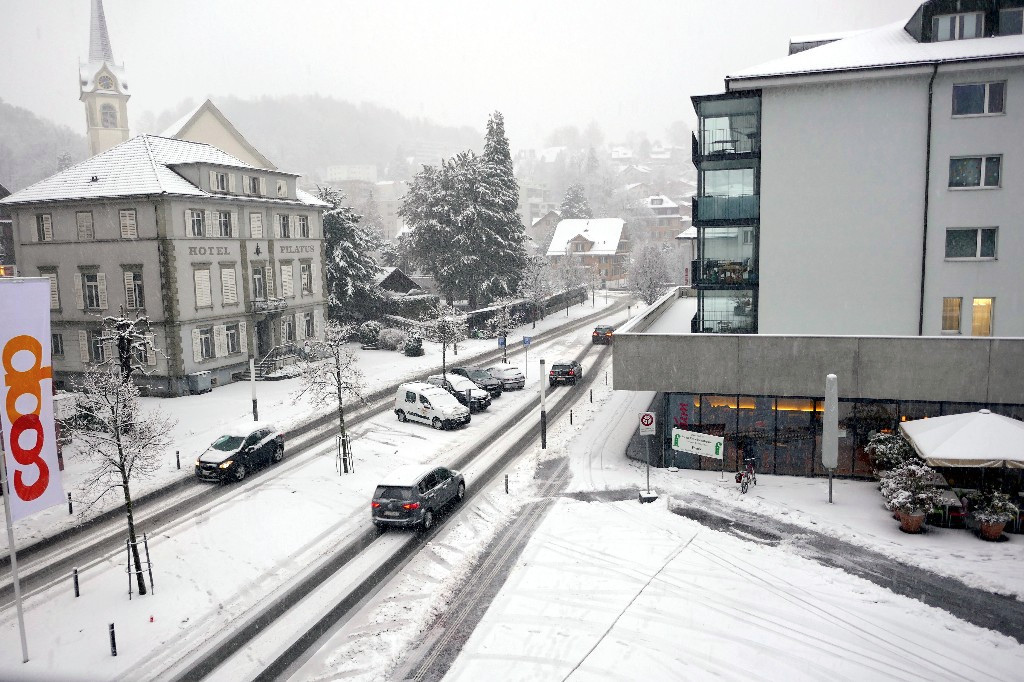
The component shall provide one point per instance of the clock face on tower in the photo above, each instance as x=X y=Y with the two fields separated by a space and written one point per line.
x=105 y=83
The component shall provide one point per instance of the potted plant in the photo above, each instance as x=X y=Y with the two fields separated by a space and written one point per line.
x=993 y=511
x=909 y=492
x=889 y=451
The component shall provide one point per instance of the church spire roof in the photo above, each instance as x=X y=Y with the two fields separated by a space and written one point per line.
x=99 y=40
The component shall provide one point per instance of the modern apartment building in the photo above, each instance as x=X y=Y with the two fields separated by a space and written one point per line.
x=224 y=258
x=859 y=213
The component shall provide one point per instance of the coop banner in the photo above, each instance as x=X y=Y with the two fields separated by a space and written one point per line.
x=26 y=408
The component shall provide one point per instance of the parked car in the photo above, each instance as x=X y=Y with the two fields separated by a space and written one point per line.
x=481 y=377
x=243 y=448
x=603 y=333
x=478 y=399
x=510 y=376
x=565 y=372
x=423 y=402
x=412 y=495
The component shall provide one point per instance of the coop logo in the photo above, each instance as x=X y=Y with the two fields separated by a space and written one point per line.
x=21 y=383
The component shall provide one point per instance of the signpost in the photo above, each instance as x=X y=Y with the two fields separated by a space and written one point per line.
x=526 y=358
x=543 y=412
x=830 y=429
x=647 y=428
x=504 y=351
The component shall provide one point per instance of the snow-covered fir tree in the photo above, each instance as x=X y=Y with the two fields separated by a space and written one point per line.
x=574 y=204
x=351 y=268
x=648 y=272
x=498 y=211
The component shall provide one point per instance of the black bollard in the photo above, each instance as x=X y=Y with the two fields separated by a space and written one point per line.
x=113 y=642
x=570 y=417
x=506 y=484
x=71 y=509
x=74 y=577
x=177 y=456
x=591 y=395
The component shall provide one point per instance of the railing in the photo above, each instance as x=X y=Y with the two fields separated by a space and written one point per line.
x=268 y=305
x=745 y=207
x=718 y=141
x=711 y=271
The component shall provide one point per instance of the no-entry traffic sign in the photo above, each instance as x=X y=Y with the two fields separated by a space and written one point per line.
x=646 y=423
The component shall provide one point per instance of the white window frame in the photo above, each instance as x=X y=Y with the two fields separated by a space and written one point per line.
x=957 y=22
x=57 y=344
x=259 y=284
x=282 y=189
x=981 y=178
x=959 y=315
x=86 y=227
x=988 y=96
x=228 y=284
x=303 y=226
x=54 y=289
x=306 y=277
x=219 y=181
x=284 y=226
x=287 y=279
x=44 y=227
x=127 y=219
x=206 y=351
x=134 y=293
x=232 y=339
x=977 y=244
x=196 y=219
x=94 y=291
x=256 y=225
x=223 y=223
x=98 y=347
x=309 y=325
x=203 y=291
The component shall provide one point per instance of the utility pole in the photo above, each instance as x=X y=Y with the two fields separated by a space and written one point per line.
x=543 y=411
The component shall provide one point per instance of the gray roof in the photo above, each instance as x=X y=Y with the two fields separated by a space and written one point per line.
x=141 y=166
x=883 y=47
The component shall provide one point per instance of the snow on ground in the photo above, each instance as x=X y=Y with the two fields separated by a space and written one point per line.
x=199 y=418
x=619 y=590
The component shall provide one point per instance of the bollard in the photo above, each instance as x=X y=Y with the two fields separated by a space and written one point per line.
x=506 y=484
x=606 y=378
x=591 y=395
x=570 y=417
x=74 y=577
x=177 y=456
x=71 y=509
x=113 y=642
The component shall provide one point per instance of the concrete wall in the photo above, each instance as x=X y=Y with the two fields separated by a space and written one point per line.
x=900 y=368
x=842 y=206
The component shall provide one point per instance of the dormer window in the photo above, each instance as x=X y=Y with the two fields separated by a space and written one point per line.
x=958 y=26
x=105 y=82
x=656 y=202
x=220 y=182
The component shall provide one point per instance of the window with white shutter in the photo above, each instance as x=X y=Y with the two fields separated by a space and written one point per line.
x=44 y=228
x=85 y=226
x=263 y=187
x=282 y=189
x=223 y=223
x=195 y=225
x=54 y=293
x=227 y=283
x=270 y=282
x=101 y=280
x=293 y=226
x=129 y=229
x=256 y=225
x=151 y=349
x=231 y=183
x=129 y=291
x=243 y=338
x=220 y=342
x=202 y=282
x=318 y=323
x=79 y=292
x=197 y=348
x=234 y=223
x=83 y=346
x=208 y=222
x=287 y=287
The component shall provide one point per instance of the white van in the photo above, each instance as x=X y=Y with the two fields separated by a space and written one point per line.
x=420 y=401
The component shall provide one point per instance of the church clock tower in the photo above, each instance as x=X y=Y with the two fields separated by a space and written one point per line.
x=103 y=88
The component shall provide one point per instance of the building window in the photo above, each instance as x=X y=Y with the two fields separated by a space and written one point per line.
x=308 y=321
x=951 y=315
x=1011 y=21
x=748 y=236
x=730 y=182
x=289 y=328
x=196 y=222
x=224 y=223
x=97 y=347
x=974 y=171
x=85 y=228
x=206 y=343
x=285 y=226
x=231 y=338
x=981 y=324
x=133 y=295
x=303 y=226
x=253 y=185
x=306 y=277
x=978 y=99
x=44 y=227
x=54 y=291
x=227 y=284
x=92 y=290
x=56 y=345
x=220 y=182
x=259 y=291
x=958 y=26
x=971 y=243
x=256 y=225
x=287 y=284
x=282 y=189
x=577 y=247
x=129 y=228
x=202 y=288
x=108 y=116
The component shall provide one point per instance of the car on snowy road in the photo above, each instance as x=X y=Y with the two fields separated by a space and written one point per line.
x=480 y=377
x=241 y=449
x=412 y=495
x=565 y=372
x=510 y=376
x=464 y=390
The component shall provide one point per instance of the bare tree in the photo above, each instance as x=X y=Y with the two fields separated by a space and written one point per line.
x=330 y=372
x=122 y=442
x=503 y=321
x=571 y=275
x=535 y=286
x=648 y=272
x=447 y=327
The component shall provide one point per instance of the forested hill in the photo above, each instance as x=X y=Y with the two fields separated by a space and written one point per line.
x=306 y=134
x=33 y=148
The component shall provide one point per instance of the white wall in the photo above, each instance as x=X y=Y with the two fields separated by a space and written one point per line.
x=842 y=201
x=1002 y=278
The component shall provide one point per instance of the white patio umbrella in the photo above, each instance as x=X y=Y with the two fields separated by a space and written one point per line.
x=971 y=439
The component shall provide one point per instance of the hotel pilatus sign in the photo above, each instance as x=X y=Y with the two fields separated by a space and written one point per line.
x=26 y=417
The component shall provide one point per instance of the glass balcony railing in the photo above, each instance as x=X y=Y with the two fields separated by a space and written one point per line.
x=717 y=141
x=746 y=207
x=724 y=272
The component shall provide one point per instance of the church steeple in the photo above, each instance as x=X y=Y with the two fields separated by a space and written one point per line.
x=104 y=89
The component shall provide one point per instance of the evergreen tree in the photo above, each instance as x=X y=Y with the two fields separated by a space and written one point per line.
x=351 y=268
x=575 y=205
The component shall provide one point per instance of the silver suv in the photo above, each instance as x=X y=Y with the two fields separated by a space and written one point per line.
x=411 y=496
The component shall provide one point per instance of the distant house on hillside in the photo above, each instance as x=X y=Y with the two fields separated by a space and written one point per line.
x=601 y=244
x=542 y=229
x=667 y=217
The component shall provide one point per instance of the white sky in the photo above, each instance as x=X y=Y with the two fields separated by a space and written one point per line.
x=627 y=65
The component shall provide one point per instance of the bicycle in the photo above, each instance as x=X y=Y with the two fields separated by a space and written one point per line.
x=747 y=476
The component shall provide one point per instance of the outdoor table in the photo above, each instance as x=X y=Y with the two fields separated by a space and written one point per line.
x=947 y=499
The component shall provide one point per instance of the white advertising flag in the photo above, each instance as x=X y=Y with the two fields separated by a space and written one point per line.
x=26 y=390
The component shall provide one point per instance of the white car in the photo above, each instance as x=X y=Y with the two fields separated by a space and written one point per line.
x=464 y=390
x=510 y=376
x=419 y=401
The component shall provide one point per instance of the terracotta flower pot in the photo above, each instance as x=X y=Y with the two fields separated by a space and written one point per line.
x=911 y=522
x=992 y=531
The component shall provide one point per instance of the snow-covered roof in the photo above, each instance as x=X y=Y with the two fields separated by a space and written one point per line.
x=689 y=233
x=823 y=37
x=652 y=202
x=604 y=233
x=142 y=166
x=886 y=46
x=179 y=128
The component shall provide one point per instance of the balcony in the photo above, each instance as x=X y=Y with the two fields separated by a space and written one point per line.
x=724 y=273
x=727 y=209
x=725 y=144
x=268 y=305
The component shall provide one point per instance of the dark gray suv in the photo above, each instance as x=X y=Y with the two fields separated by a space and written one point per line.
x=412 y=495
